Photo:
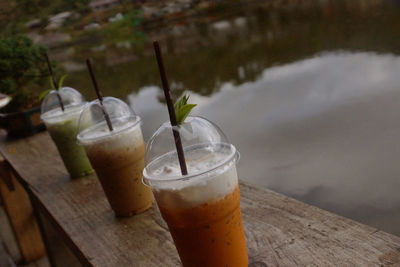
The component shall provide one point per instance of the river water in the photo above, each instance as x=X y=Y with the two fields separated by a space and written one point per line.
x=308 y=91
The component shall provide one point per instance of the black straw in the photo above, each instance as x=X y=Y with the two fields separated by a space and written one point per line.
x=54 y=82
x=171 y=111
x=99 y=96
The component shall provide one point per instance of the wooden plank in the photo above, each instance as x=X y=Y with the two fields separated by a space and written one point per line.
x=8 y=237
x=5 y=258
x=59 y=254
x=20 y=214
x=279 y=230
x=42 y=262
x=292 y=233
x=11 y=247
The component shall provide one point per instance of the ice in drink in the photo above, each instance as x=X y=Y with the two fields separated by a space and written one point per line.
x=117 y=156
x=63 y=128
x=202 y=209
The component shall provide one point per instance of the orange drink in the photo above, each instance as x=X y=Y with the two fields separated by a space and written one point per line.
x=210 y=234
x=202 y=208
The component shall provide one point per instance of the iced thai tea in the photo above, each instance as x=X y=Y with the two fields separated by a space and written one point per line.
x=203 y=210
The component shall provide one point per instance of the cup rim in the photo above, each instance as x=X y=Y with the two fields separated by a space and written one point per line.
x=94 y=140
x=69 y=109
x=147 y=179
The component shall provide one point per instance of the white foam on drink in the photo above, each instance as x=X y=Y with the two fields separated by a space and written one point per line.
x=125 y=134
x=56 y=116
x=211 y=176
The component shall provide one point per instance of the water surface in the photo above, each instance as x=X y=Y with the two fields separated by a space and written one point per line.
x=308 y=92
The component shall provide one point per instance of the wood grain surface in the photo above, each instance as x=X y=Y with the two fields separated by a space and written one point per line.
x=8 y=237
x=5 y=259
x=19 y=211
x=280 y=231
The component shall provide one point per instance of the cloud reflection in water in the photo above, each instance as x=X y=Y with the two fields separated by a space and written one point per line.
x=325 y=130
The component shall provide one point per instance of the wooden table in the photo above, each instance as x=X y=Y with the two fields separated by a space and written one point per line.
x=279 y=230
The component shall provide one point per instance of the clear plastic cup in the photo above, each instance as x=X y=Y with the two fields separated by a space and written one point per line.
x=117 y=156
x=202 y=208
x=63 y=128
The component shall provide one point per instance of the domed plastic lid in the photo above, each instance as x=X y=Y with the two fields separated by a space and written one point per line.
x=70 y=97
x=205 y=148
x=93 y=126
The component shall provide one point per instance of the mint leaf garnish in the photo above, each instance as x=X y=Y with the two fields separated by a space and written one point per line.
x=181 y=102
x=52 y=86
x=61 y=81
x=44 y=93
x=182 y=109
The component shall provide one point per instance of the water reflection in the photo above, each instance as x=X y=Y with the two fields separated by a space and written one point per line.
x=323 y=130
x=235 y=45
x=307 y=90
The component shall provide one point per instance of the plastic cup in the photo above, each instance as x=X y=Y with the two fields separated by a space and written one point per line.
x=63 y=128
x=202 y=209
x=117 y=156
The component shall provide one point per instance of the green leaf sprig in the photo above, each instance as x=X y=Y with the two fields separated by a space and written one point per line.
x=60 y=84
x=182 y=109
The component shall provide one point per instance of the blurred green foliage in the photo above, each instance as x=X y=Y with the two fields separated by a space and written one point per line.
x=22 y=67
x=48 y=7
x=126 y=29
x=32 y=7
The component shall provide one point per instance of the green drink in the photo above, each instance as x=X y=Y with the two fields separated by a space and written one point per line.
x=63 y=129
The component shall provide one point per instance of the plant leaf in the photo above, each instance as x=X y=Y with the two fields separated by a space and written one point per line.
x=52 y=85
x=61 y=81
x=183 y=112
x=181 y=102
x=44 y=93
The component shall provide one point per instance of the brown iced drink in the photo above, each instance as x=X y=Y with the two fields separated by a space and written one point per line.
x=117 y=155
x=119 y=162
